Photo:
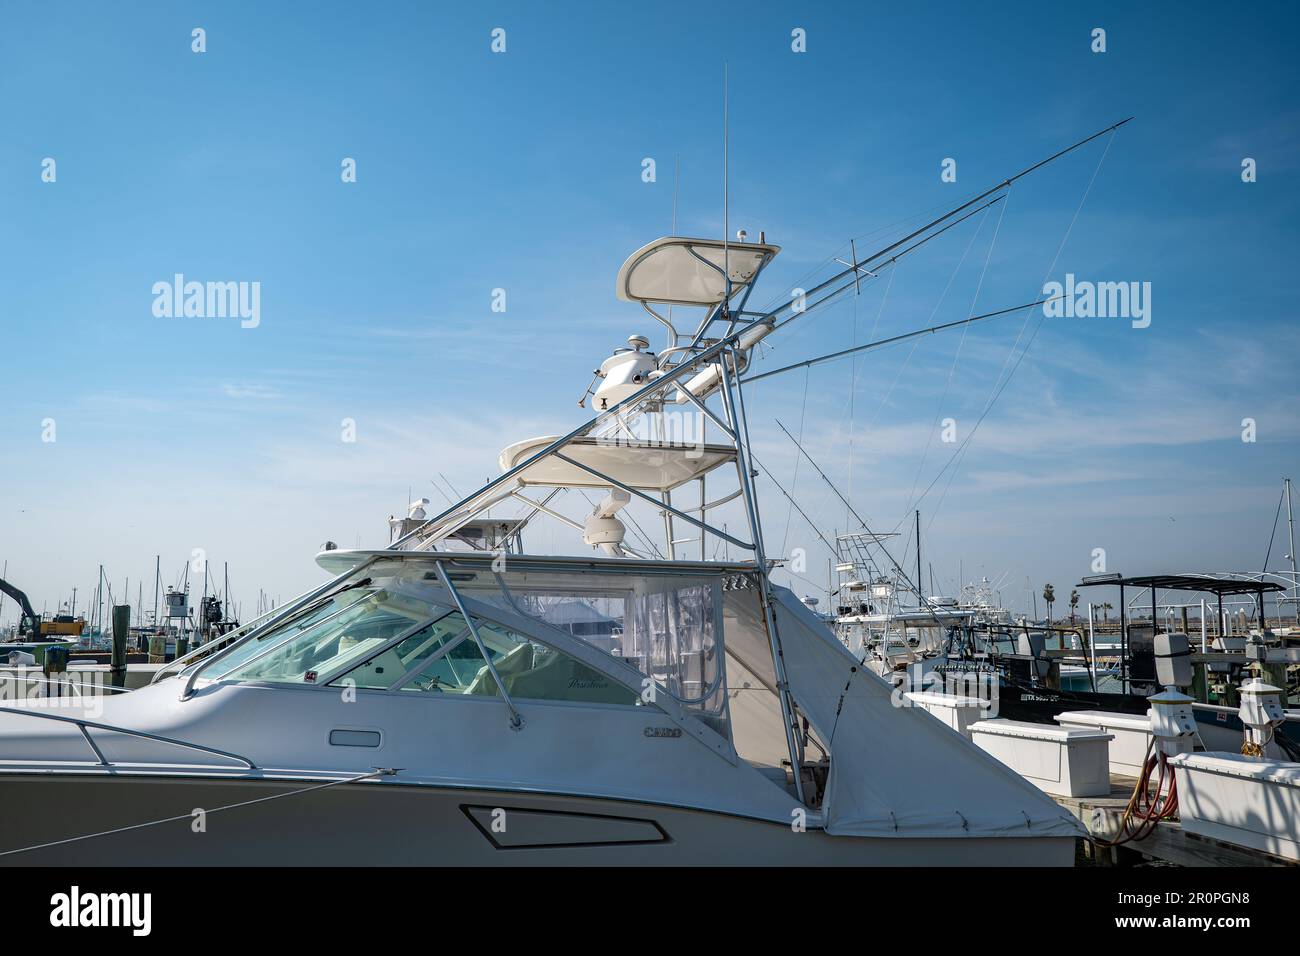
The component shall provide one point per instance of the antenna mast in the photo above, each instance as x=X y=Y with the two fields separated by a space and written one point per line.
x=726 y=195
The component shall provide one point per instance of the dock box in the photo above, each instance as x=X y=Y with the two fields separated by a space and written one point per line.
x=1068 y=761
x=1249 y=801
x=1132 y=733
x=955 y=711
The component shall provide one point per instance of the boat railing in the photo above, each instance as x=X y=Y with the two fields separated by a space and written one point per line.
x=85 y=727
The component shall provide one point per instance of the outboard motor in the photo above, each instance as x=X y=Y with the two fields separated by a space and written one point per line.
x=1173 y=660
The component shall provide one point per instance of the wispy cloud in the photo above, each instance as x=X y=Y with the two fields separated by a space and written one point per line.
x=251 y=391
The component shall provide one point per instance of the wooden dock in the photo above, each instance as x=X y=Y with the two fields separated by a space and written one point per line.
x=1168 y=843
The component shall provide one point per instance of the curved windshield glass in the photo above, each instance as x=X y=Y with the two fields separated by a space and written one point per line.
x=298 y=622
x=444 y=658
x=312 y=649
x=390 y=668
x=396 y=640
x=535 y=671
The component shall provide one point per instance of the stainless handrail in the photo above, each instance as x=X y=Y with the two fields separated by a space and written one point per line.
x=83 y=725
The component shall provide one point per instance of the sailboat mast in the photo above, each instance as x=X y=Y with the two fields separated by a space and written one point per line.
x=203 y=610
x=919 y=579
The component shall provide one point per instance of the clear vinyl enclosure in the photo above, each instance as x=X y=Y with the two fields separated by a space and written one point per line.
x=404 y=634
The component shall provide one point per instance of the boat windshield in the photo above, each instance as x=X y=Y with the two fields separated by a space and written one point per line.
x=444 y=658
x=303 y=620
x=395 y=639
x=341 y=630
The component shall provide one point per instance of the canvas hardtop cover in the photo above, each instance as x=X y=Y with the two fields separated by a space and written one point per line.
x=682 y=271
x=895 y=771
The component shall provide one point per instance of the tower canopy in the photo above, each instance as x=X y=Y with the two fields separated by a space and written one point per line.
x=680 y=271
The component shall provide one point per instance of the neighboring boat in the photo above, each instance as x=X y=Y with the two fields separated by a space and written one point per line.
x=1034 y=683
x=900 y=634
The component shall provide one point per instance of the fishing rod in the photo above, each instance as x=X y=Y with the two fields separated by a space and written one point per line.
x=894 y=339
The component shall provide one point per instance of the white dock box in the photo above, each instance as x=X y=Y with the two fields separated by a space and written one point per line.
x=1068 y=761
x=1248 y=801
x=957 y=712
x=1132 y=733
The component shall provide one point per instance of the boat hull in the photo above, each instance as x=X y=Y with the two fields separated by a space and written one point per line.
x=367 y=824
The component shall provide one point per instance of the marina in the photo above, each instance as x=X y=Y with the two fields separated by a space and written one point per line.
x=719 y=717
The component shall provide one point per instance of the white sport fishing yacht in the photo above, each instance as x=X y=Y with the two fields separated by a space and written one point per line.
x=453 y=699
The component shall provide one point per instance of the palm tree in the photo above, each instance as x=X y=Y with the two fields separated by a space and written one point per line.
x=1074 y=604
x=1049 y=595
x=1105 y=612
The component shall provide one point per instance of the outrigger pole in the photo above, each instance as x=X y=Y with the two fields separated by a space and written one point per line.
x=856 y=268
x=895 y=339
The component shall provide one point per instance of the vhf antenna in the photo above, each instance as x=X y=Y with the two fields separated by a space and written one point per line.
x=726 y=203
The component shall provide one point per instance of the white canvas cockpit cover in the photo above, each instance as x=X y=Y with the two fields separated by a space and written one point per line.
x=895 y=771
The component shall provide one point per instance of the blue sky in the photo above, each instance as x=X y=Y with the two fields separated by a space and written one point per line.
x=522 y=171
